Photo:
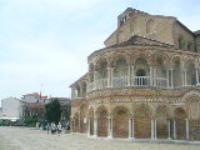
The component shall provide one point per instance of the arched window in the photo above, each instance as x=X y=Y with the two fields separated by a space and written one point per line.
x=191 y=73
x=177 y=72
x=101 y=69
x=84 y=89
x=120 y=68
x=78 y=91
x=141 y=73
x=181 y=42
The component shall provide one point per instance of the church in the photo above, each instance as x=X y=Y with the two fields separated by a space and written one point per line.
x=144 y=84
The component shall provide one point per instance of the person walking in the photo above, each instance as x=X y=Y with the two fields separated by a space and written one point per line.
x=59 y=128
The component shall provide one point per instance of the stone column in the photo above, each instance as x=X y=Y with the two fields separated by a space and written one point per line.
x=79 y=121
x=187 y=129
x=130 y=129
x=89 y=127
x=174 y=129
x=185 y=77
x=197 y=76
x=152 y=130
x=133 y=128
x=172 y=78
x=129 y=75
x=109 y=77
x=132 y=75
x=155 y=134
x=183 y=73
x=110 y=130
x=169 y=130
x=95 y=127
x=155 y=77
x=151 y=76
x=168 y=78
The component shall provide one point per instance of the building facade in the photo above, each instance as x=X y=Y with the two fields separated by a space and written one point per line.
x=145 y=84
x=11 y=109
x=34 y=106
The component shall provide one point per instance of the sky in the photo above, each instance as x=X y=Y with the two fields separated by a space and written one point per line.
x=44 y=44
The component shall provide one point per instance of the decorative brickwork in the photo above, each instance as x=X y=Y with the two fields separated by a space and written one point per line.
x=141 y=86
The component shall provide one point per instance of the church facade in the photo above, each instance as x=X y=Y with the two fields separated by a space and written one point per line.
x=145 y=83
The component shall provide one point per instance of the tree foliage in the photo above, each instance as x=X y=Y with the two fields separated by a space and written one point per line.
x=53 y=111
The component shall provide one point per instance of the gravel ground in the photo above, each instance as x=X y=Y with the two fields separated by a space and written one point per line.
x=31 y=139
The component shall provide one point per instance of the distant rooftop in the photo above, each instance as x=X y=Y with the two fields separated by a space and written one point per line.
x=197 y=32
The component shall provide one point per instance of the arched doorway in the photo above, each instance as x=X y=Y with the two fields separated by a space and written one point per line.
x=76 y=122
x=162 y=122
x=120 y=122
x=180 y=118
x=142 y=122
x=91 y=121
x=102 y=122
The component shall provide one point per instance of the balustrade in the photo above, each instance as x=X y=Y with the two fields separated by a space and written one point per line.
x=122 y=82
x=141 y=81
x=161 y=82
x=119 y=82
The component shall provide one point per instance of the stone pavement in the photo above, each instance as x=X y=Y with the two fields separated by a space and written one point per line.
x=31 y=139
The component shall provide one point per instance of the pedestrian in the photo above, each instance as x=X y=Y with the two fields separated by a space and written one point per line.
x=59 y=128
x=48 y=128
x=53 y=128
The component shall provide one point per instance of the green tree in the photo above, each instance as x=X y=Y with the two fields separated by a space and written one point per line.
x=53 y=111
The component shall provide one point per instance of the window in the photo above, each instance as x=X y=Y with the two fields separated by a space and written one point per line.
x=180 y=42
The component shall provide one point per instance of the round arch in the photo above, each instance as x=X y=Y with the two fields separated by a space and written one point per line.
x=142 y=116
x=120 y=122
x=180 y=118
x=101 y=68
x=120 y=66
x=176 y=63
x=192 y=100
x=102 y=122
x=162 y=122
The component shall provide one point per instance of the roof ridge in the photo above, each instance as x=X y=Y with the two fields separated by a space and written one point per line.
x=146 y=38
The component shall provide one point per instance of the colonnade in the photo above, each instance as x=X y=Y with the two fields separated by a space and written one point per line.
x=171 y=127
x=151 y=78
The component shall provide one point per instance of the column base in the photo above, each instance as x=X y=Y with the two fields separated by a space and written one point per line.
x=131 y=138
x=109 y=137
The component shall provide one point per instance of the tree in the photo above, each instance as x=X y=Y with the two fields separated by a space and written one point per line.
x=53 y=111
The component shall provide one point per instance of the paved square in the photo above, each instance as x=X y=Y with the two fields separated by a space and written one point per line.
x=31 y=139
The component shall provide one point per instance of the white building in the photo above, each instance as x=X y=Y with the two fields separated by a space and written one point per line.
x=11 y=109
x=0 y=112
